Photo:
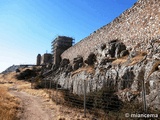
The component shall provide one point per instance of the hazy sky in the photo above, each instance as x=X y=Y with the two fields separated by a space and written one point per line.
x=27 y=27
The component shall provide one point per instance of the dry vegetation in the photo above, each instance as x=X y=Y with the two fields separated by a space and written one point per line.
x=88 y=69
x=55 y=100
x=121 y=60
x=9 y=105
x=137 y=58
x=7 y=78
x=132 y=61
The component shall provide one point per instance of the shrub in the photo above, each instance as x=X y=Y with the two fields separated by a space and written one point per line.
x=26 y=74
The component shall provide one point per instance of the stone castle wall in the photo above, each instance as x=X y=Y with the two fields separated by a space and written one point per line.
x=138 y=24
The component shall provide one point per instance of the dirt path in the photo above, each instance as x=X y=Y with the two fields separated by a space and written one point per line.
x=39 y=107
x=36 y=104
x=33 y=107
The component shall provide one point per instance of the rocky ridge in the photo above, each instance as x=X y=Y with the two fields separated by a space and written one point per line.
x=115 y=66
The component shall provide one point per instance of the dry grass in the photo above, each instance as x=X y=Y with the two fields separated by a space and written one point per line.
x=22 y=85
x=35 y=92
x=55 y=100
x=10 y=77
x=8 y=105
x=132 y=61
x=121 y=60
x=88 y=69
x=137 y=58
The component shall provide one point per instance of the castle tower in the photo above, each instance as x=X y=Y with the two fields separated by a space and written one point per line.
x=46 y=59
x=59 y=45
x=38 y=59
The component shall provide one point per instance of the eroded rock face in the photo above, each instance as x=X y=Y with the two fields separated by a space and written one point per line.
x=124 y=53
x=115 y=48
x=64 y=62
x=125 y=79
x=103 y=46
x=77 y=62
x=156 y=56
x=112 y=49
x=119 y=48
x=153 y=98
x=91 y=59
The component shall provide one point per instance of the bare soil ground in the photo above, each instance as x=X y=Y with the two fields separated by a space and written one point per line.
x=36 y=105
x=33 y=107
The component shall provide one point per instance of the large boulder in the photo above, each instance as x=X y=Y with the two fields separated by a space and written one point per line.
x=119 y=48
x=75 y=66
x=115 y=48
x=91 y=59
x=77 y=62
x=112 y=49
x=78 y=59
x=124 y=53
x=64 y=62
x=69 y=68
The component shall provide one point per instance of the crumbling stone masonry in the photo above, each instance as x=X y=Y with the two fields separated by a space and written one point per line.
x=136 y=26
x=38 y=59
x=46 y=59
x=59 y=45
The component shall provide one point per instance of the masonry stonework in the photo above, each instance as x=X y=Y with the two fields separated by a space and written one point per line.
x=59 y=45
x=137 y=25
x=46 y=59
x=38 y=59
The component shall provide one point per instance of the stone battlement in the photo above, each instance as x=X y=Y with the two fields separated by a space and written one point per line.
x=137 y=25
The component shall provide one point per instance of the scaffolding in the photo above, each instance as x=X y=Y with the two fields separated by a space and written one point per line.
x=59 y=45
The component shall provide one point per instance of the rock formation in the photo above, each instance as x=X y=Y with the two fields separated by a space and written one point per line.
x=107 y=67
x=123 y=55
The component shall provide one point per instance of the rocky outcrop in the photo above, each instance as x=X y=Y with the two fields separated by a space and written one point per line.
x=64 y=62
x=118 y=69
x=153 y=96
x=91 y=58
x=77 y=62
x=115 y=48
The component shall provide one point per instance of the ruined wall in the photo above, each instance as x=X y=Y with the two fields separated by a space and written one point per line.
x=138 y=24
x=38 y=59
x=46 y=59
